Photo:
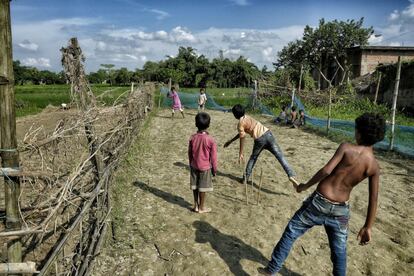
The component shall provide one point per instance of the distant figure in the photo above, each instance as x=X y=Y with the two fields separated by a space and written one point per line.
x=300 y=120
x=202 y=155
x=176 y=105
x=293 y=115
x=281 y=119
x=202 y=100
x=263 y=139
x=328 y=204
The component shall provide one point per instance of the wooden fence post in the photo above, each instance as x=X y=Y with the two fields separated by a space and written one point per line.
x=8 y=145
x=378 y=86
x=299 y=85
x=394 y=102
x=328 y=122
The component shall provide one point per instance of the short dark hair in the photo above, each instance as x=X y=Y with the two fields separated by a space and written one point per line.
x=202 y=89
x=172 y=88
x=371 y=127
x=293 y=108
x=238 y=111
x=202 y=121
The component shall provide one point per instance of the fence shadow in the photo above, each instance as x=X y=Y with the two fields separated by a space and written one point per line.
x=170 y=198
x=231 y=249
x=234 y=178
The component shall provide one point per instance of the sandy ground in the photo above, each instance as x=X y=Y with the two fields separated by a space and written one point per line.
x=152 y=200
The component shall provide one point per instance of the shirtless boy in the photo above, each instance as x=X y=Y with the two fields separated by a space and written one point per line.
x=328 y=205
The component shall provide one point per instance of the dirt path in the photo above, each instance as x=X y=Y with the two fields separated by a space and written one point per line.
x=151 y=203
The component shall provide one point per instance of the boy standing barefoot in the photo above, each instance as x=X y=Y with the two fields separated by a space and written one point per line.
x=263 y=139
x=328 y=205
x=202 y=154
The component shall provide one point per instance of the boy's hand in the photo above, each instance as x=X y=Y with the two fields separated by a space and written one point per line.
x=227 y=144
x=301 y=187
x=213 y=173
x=241 y=158
x=364 y=235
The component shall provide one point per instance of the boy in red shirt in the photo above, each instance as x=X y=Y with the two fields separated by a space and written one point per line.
x=202 y=155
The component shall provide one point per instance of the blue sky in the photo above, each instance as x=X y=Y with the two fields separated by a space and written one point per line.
x=128 y=33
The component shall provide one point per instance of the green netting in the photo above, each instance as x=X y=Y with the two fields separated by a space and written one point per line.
x=404 y=135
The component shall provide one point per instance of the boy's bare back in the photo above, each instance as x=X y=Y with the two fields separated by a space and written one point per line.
x=353 y=163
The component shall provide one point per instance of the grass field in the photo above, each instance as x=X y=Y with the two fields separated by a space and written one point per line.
x=31 y=99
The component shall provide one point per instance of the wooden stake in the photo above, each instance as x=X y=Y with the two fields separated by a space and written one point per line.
x=394 y=102
x=132 y=87
x=245 y=185
x=378 y=86
x=328 y=121
x=245 y=181
x=8 y=145
x=260 y=185
x=252 y=181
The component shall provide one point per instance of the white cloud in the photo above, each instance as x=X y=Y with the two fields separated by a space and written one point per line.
x=37 y=62
x=160 y=15
x=394 y=44
x=131 y=47
x=394 y=15
x=181 y=34
x=399 y=30
x=240 y=2
x=268 y=54
x=131 y=56
x=26 y=44
x=375 y=38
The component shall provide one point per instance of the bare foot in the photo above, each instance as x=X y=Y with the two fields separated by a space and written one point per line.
x=195 y=208
x=205 y=210
x=264 y=271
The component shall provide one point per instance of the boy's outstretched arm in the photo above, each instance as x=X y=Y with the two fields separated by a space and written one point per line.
x=228 y=143
x=364 y=234
x=326 y=170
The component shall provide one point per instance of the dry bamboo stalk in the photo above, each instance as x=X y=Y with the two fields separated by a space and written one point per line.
x=260 y=185
x=12 y=268
x=252 y=192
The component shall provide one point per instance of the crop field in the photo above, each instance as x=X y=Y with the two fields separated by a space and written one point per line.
x=31 y=99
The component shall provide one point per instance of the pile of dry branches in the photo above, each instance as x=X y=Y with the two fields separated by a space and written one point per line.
x=65 y=202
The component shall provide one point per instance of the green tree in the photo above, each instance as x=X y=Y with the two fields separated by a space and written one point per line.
x=324 y=45
x=110 y=72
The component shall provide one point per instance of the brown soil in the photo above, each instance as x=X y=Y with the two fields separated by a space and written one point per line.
x=155 y=233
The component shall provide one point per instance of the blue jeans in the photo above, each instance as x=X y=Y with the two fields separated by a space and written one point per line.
x=267 y=141
x=316 y=210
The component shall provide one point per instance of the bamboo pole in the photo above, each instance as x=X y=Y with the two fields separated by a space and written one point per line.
x=328 y=121
x=394 y=103
x=260 y=186
x=378 y=86
x=245 y=180
x=16 y=268
x=299 y=85
x=8 y=145
x=252 y=183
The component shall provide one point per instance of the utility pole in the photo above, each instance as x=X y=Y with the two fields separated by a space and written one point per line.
x=8 y=146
